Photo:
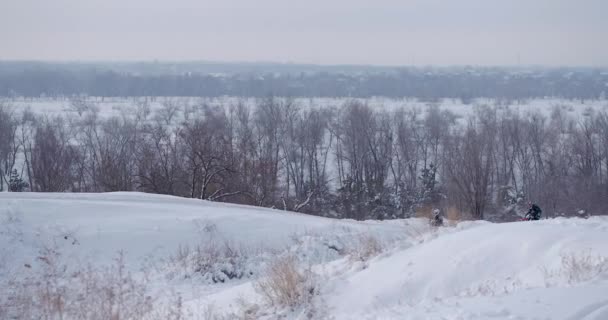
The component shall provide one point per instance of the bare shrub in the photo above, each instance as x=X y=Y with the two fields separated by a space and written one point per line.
x=454 y=215
x=113 y=293
x=287 y=285
x=214 y=261
x=493 y=287
x=424 y=212
x=173 y=309
x=181 y=259
x=577 y=267
x=365 y=247
x=51 y=289
x=583 y=267
x=220 y=262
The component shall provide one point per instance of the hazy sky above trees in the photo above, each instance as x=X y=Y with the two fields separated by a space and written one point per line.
x=380 y=32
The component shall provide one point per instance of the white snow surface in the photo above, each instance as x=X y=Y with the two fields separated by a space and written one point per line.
x=504 y=271
x=549 y=269
x=144 y=224
x=126 y=106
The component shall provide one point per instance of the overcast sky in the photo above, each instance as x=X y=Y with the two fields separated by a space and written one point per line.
x=380 y=32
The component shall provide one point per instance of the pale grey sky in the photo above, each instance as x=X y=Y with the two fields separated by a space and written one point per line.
x=380 y=32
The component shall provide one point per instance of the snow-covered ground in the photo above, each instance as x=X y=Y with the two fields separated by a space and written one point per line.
x=550 y=269
x=553 y=269
x=118 y=106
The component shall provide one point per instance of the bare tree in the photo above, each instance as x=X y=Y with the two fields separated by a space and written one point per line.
x=117 y=148
x=159 y=165
x=469 y=166
x=208 y=150
x=9 y=145
x=351 y=161
x=52 y=157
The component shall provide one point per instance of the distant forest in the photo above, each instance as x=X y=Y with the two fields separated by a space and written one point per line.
x=351 y=161
x=204 y=79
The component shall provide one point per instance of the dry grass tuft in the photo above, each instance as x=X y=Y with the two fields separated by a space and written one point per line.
x=287 y=285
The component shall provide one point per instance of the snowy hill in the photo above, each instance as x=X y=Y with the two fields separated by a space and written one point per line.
x=550 y=269
x=514 y=270
x=143 y=224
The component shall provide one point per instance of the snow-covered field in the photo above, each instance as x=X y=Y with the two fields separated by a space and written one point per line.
x=118 y=106
x=404 y=269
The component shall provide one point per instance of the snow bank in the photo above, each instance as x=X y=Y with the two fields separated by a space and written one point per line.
x=98 y=225
x=486 y=261
x=548 y=269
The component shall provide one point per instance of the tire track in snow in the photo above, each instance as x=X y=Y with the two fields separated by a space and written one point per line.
x=594 y=311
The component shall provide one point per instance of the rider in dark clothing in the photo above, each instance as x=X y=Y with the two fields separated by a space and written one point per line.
x=437 y=220
x=534 y=212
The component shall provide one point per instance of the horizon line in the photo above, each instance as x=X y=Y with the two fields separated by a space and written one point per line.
x=295 y=63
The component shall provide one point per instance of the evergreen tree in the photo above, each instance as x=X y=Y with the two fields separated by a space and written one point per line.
x=16 y=183
x=429 y=194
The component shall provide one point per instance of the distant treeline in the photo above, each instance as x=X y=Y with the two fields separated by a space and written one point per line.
x=351 y=161
x=35 y=79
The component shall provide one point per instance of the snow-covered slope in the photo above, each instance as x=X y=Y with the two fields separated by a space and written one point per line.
x=550 y=269
x=554 y=269
x=99 y=225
